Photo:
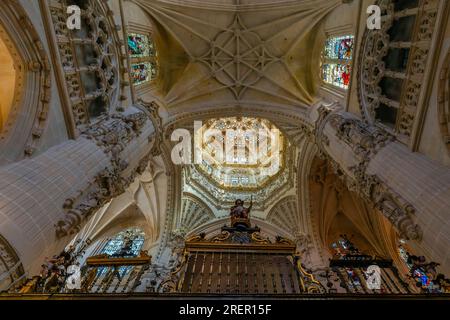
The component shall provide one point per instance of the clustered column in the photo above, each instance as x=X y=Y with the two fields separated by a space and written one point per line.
x=411 y=190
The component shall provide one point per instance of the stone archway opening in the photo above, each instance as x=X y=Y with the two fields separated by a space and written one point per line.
x=7 y=83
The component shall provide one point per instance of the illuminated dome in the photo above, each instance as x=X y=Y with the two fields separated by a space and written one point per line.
x=240 y=152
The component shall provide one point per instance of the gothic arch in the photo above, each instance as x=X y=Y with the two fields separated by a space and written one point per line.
x=29 y=112
x=337 y=210
x=10 y=75
x=444 y=101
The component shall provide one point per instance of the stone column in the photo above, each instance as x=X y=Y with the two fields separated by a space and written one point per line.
x=411 y=190
x=43 y=200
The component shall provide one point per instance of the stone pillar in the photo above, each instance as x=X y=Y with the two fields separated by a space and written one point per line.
x=45 y=199
x=411 y=190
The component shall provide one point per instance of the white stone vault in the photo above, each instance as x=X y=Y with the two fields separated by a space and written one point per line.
x=260 y=52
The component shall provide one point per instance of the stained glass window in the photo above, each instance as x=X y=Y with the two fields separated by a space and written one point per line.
x=339 y=48
x=139 y=45
x=143 y=72
x=127 y=243
x=424 y=273
x=336 y=74
x=341 y=249
x=142 y=51
x=336 y=61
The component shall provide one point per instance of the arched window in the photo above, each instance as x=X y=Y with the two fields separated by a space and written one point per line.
x=393 y=64
x=336 y=61
x=351 y=276
x=89 y=59
x=142 y=52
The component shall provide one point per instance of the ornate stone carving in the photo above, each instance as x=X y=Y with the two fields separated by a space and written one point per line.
x=365 y=140
x=112 y=134
x=99 y=37
x=372 y=68
x=153 y=109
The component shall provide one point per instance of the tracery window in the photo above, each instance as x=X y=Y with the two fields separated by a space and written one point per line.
x=142 y=51
x=393 y=63
x=336 y=61
x=89 y=58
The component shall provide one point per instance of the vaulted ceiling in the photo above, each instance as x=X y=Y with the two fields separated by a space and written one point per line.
x=238 y=51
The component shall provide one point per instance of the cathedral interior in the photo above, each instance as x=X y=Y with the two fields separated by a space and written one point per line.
x=224 y=147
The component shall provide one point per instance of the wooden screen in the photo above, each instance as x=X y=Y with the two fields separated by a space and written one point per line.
x=239 y=273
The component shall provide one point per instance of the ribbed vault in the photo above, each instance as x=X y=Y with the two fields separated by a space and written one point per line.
x=243 y=51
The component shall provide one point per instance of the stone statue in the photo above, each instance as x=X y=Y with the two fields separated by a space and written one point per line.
x=239 y=211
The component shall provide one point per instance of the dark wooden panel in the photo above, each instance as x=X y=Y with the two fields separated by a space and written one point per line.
x=239 y=273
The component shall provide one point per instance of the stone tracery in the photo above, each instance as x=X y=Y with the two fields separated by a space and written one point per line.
x=90 y=60
x=396 y=109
